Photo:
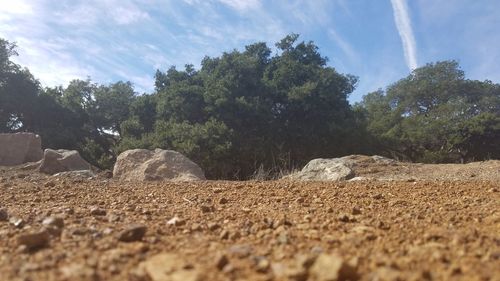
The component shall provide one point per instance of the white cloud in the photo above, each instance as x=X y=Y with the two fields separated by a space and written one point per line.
x=403 y=23
x=16 y=7
x=242 y=5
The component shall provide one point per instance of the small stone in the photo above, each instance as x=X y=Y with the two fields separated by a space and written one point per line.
x=224 y=234
x=132 y=233
x=221 y=261
x=262 y=265
x=332 y=267
x=4 y=216
x=107 y=231
x=79 y=231
x=176 y=221
x=195 y=227
x=213 y=226
x=234 y=235
x=114 y=218
x=167 y=266
x=207 y=208
x=378 y=196
x=78 y=271
x=223 y=201
x=50 y=184
x=240 y=251
x=17 y=222
x=96 y=211
x=283 y=238
x=356 y=211
x=344 y=218
x=34 y=240
x=53 y=221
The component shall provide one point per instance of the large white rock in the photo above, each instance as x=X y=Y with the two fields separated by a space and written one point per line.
x=340 y=169
x=57 y=161
x=158 y=164
x=19 y=148
x=335 y=169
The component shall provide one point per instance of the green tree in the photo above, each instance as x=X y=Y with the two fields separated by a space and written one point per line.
x=435 y=115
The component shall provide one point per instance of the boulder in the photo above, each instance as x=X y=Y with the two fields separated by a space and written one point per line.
x=335 y=169
x=19 y=148
x=158 y=164
x=57 y=161
x=340 y=169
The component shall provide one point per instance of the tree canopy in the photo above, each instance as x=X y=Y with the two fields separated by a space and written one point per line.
x=254 y=109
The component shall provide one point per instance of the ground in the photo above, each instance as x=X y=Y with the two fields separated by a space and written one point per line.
x=412 y=228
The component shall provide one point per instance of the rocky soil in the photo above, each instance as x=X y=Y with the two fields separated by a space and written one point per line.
x=57 y=228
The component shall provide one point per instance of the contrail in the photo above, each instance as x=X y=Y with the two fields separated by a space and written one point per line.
x=403 y=23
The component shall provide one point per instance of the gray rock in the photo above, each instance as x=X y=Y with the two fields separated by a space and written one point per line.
x=34 y=240
x=332 y=268
x=54 y=221
x=19 y=148
x=336 y=169
x=144 y=165
x=80 y=174
x=56 y=161
x=96 y=211
x=4 y=215
x=132 y=233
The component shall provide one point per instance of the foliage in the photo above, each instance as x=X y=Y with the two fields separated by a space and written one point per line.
x=254 y=110
x=436 y=115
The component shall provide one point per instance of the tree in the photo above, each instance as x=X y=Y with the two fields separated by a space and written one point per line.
x=18 y=93
x=248 y=108
x=435 y=115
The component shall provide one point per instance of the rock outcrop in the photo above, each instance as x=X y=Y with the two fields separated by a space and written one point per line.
x=158 y=164
x=19 y=148
x=339 y=169
x=57 y=161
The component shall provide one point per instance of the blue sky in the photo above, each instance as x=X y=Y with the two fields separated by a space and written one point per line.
x=379 y=41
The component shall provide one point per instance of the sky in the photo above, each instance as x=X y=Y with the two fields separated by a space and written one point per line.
x=380 y=41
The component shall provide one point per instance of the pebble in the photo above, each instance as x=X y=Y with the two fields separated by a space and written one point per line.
x=329 y=267
x=221 y=261
x=96 y=211
x=196 y=227
x=176 y=221
x=356 y=211
x=167 y=266
x=344 y=218
x=262 y=264
x=78 y=271
x=17 y=222
x=4 y=216
x=213 y=226
x=207 y=208
x=34 y=240
x=132 y=233
x=224 y=234
x=240 y=251
x=223 y=201
x=54 y=221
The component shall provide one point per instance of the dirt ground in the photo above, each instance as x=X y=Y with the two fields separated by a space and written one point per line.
x=411 y=228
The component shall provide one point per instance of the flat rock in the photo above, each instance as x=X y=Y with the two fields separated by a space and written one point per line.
x=132 y=233
x=56 y=161
x=332 y=267
x=19 y=148
x=167 y=267
x=34 y=240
